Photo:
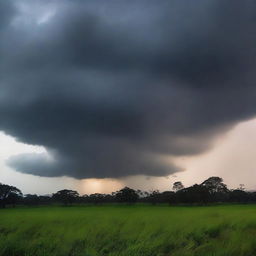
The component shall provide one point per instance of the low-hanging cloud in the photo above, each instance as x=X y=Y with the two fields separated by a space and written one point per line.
x=112 y=88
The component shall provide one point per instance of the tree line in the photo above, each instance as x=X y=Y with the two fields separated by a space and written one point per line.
x=212 y=190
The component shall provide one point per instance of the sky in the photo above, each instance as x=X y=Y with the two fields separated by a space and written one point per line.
x=97 y=95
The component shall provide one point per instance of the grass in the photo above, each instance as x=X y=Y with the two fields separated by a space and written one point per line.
x=129 y=231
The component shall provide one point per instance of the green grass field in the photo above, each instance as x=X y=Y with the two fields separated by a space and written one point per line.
x=128 y=230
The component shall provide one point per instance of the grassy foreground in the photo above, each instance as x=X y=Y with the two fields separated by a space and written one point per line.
x=128 y=230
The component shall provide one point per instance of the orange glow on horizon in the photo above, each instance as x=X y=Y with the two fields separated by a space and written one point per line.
x=89 y=186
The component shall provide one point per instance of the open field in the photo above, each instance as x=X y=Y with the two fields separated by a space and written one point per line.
x=128 y=231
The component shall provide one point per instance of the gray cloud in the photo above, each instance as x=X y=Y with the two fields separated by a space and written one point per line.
x=110 y=89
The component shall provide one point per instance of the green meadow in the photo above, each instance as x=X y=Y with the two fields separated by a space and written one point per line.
x=137 y=230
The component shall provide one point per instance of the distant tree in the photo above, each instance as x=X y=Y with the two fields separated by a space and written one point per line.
x=252 y=196
x=140 y=193
x=195 y=194
x=156 y=197
x=215 y=184
x=143 y=195
x=166 y=197
x=177 y=186
x=241 y=187
x=127 y=195
x=66 y=196
x=239 y=196
x=8 y=194
x=46 y=199
x=109 y=198
x=31 y=199
x=84 y=199
x=153 y=197
x=97 y=198
x=217 y=189
x=13 y=199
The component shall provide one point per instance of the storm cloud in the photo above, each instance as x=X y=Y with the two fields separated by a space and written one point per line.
x=115 y=88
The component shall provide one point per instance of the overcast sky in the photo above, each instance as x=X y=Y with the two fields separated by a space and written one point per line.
x=95 y=95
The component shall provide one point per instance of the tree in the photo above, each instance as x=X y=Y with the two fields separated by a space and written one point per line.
x=13 y=199
x=153 y=197
x=195 y=194
x=238 y=196
x=217 y=189
x=127 y=195
x=177 y=186
x=31 y=199
x=8 y=194
x=66 y=196
x=241 y=187
x=96 y=198
x=46 y=199
x=215 y=184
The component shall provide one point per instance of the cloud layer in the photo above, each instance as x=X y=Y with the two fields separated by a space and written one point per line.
x=113 y=88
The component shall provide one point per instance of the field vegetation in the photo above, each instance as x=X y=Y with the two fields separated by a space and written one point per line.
x=128 y=230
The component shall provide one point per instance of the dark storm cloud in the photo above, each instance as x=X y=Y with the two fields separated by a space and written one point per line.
x=7 y=10
x=113 y=88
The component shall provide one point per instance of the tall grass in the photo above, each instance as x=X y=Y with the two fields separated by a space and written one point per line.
x=128 y=231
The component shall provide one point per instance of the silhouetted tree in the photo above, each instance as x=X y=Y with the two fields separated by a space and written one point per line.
x=194 y=194
x=252 y=196
x=31 y=200
x=217 y=189
x=13 y=199
x=45 y=199
x=127 y=195
x=153 y=197
x=211 y=190
x=239 y=196
x=177 y=186
x=66 y=196
x=215 y=184
x=241 y=187
x=143 y=196
x=166 y=197
x=83 y=199
x=109 y=198
x=8 y=193
x=96 y=198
